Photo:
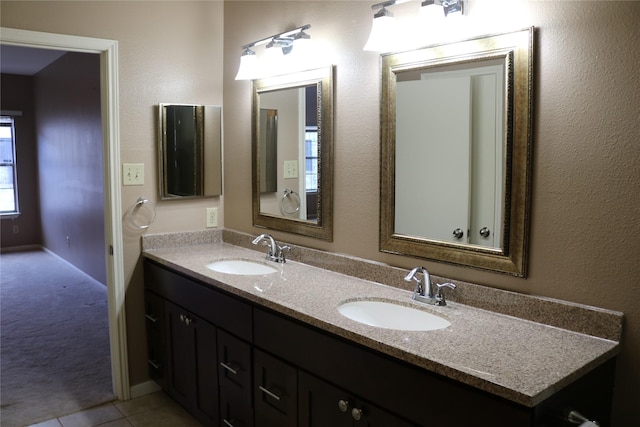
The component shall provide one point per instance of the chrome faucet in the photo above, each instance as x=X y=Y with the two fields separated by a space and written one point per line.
x=275 y=253
x=425 y=291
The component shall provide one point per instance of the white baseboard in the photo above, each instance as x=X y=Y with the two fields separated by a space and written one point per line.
x=141 y=389
x=86 y=275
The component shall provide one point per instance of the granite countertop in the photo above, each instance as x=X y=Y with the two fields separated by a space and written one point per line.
x=517 y=359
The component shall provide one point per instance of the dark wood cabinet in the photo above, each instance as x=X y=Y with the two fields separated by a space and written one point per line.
x=322 y=404
x=193 y=375
x=276 y=391
x=235 y=381
x=186 y=344
x=156 y=342
x=234 y=363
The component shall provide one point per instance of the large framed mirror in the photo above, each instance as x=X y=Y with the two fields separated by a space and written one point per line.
x=189 y=151
x=456 y=136
x=292 y=156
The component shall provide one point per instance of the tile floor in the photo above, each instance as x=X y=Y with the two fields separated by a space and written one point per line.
x=152 y=410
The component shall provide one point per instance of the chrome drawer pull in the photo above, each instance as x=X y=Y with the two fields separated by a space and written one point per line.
x=269 y=393
x=155 y=365
x=227 y=423
x=151 y=317
x=228 y=368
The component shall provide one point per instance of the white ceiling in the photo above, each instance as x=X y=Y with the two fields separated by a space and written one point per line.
x=26 y=60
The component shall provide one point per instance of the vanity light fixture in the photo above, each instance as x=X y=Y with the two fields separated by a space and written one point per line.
x=453 y=7
x=248 y=65
x=282 y=44
x=431 y=11
x=384 y=31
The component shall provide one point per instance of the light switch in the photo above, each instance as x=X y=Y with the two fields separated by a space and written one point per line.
x=133 y=173
x=290 y=169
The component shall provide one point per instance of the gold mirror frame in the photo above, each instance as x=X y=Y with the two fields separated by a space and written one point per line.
x=323 y=227
x=517 y=50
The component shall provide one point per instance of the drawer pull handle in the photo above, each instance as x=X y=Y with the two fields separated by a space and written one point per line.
x=343 y=405
x=229 y=368
x=151 y=317
x=154 y=365
x=227 y=423
x=269 y=393
x=356 y=414
x=186 y=319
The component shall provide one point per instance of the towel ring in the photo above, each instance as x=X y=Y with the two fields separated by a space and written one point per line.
x=289 y=198
x=135 y=208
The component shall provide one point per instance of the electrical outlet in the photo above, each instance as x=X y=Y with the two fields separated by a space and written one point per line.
x=212 y=217
x=133 y=173
x=290 y=169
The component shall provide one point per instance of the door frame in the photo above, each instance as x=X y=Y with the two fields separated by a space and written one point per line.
x=108 y=51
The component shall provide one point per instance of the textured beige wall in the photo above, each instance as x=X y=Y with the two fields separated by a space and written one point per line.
x=585 y=230
x=167 y=52
x=586 y=196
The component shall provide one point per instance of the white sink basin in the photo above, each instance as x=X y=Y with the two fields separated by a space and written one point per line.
x=241 y=267
x=389 y=315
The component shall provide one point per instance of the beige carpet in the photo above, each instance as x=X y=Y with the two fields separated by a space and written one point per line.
x=54 y=339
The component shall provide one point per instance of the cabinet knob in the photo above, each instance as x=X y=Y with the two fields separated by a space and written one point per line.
x=458 y=233
x=485 y=232
x=356 y=413
x=343 y=405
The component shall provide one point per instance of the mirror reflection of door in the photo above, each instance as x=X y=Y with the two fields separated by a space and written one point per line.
x=432 y=157
x=449 y=155
x=183 y=151
x=268 y=150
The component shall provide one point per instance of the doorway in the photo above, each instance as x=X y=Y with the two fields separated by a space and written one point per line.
x=108 y=51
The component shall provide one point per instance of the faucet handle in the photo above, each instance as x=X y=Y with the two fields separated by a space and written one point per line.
x=281 y=252
x=440 y=300
x=419 y=290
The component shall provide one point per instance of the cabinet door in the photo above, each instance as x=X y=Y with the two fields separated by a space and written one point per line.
x=193 y=375
x=234 y=378
x=275 y=391
x=322 y=404
x=154 y=318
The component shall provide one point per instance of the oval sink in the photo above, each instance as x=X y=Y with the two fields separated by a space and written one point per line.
x=241 y=267
x=388 y=315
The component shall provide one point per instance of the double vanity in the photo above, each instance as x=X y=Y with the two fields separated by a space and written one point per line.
x=242 y=341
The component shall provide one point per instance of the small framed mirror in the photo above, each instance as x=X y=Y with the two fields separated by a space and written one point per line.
x=189 y=151
x=456 y=134
x=293 y=153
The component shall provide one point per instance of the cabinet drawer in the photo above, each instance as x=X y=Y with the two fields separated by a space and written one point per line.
x=153 y=312
x=216 y=307
x=322 y=404
x=234 y=368
x=275 y=391
x=234 y=413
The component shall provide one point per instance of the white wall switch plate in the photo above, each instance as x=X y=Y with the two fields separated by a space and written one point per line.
x=212 y=217
x=133 y=173
x=290 y=169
